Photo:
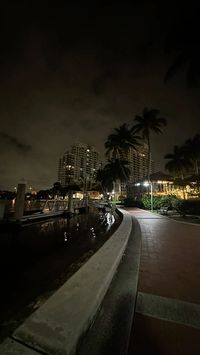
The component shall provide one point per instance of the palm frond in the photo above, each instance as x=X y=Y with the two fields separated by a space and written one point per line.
x=177 y=64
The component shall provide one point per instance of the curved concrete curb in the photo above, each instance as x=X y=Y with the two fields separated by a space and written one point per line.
x=110 y=332
x=57 y=326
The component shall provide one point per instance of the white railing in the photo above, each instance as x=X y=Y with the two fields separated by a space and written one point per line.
x=58 y=205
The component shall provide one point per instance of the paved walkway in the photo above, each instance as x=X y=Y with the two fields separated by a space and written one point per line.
x=167 y=318
x=166 y=301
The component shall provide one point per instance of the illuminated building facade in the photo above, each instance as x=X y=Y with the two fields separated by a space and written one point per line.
x=138 y=166
x=138 y=163
x=78 y=165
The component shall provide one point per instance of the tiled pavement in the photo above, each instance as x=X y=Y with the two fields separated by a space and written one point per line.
x=167 y=314
x=167 y=318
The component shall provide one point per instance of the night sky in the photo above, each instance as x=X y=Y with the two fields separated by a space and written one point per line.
x=73 y=71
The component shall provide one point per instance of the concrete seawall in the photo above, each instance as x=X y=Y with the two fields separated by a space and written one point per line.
x=57 y=326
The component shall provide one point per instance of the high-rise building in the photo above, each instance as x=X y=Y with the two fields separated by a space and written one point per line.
x=78 y=165
x=138 y=163
x=138 y=166
x=66 y=167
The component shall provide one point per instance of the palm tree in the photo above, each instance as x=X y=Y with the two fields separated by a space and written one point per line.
x=104 y=178
x=115 y=169
x=150 y=120
x=183 y=41
x=118 y=169
x=177 y=165
x=117 y=147
x=119 y=142
x=192 y=152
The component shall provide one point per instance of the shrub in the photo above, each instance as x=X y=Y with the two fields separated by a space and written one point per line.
x=146 y=200
x=191 y=207
x=168 y=201
x=131 y=202
x=121 y=198
x=159 y=201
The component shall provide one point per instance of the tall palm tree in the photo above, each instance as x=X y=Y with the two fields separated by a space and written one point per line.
x=118 y=169
x=115 y=169
x=117 y=147
x=104 y=178
x=119 y=142
x=150 y=120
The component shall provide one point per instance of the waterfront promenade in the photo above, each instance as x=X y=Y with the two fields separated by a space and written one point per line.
x=167 y=315
x=161 y=290
x=152 y=305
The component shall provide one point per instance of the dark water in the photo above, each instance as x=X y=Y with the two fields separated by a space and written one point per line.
x=36 y=259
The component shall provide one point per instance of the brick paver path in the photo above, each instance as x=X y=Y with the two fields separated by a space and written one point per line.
x=167 y=318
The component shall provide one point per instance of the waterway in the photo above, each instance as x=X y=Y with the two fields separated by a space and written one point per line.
x=36 y=259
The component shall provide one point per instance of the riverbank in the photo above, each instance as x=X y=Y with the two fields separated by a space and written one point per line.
x=35 y=261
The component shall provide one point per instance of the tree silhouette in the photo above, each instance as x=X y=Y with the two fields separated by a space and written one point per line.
x=119 y=142
x=183 y=40
x=192 y=152
x=150 y=120
x=117 y=147
x=118 y=169
x=104 y=178
x=114 y=170
x=178 y=164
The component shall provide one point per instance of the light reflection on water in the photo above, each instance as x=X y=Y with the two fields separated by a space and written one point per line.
x=80 y=231
x=36 y=259
x=90 y=225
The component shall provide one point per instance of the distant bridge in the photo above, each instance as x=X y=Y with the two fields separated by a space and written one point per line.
x=53 y=205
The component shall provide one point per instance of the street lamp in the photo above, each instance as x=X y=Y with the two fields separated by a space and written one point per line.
x=149 y=183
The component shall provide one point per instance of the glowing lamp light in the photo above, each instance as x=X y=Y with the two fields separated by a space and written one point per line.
x=146 y=183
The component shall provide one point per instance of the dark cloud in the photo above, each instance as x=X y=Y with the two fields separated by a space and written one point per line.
x=14 y=142
x=72 y=72
x=3 y=171
x=99 y=83
x=98 y=86
x=79 y=104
